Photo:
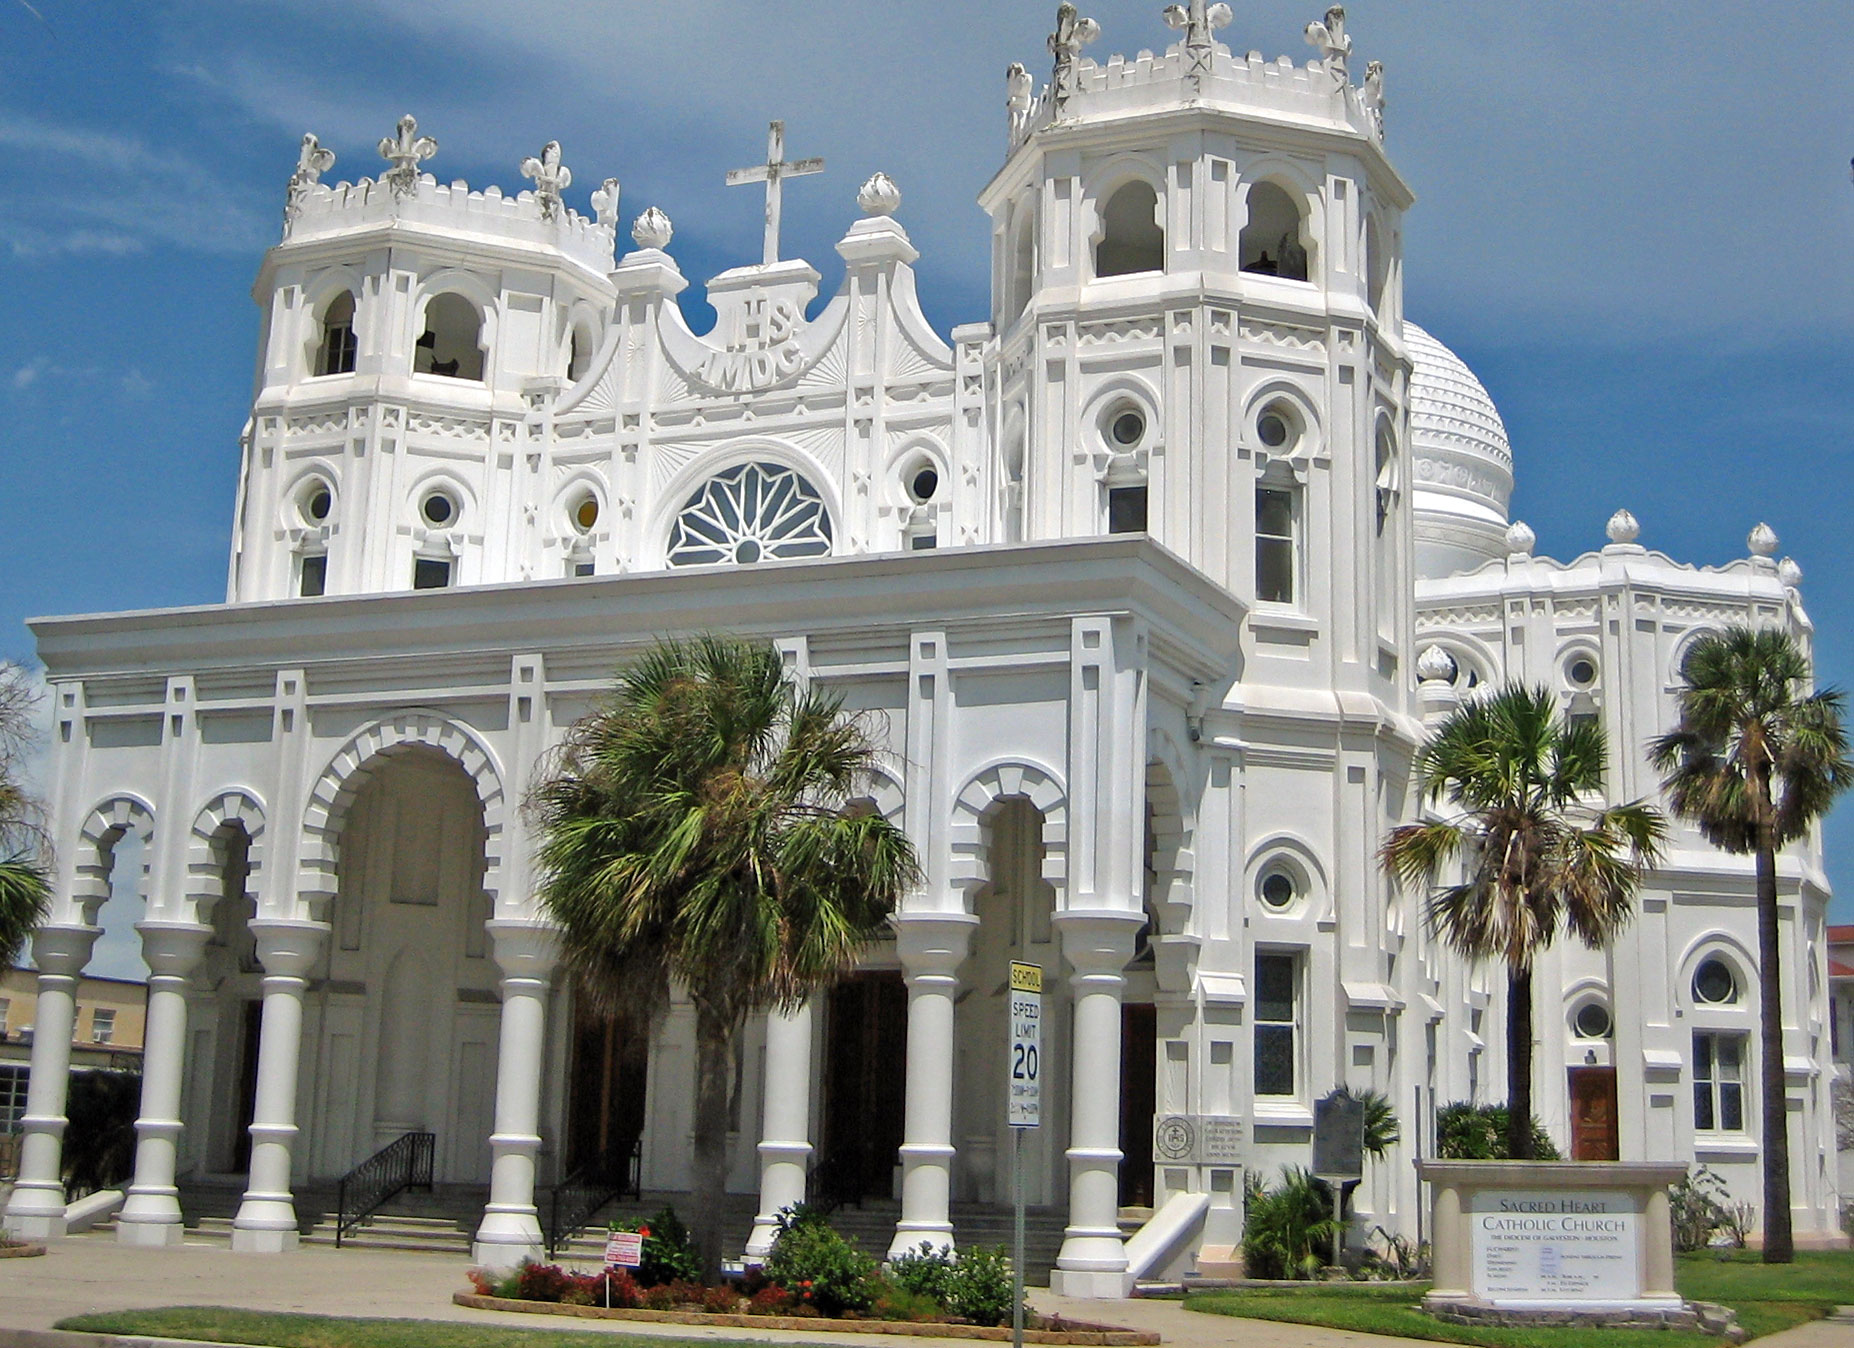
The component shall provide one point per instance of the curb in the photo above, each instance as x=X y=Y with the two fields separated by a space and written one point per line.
x=83 y=1338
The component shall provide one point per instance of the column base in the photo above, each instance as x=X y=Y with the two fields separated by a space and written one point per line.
x=264 y=1240
x=35 y=1227
x=507 y=1238
x=1091 y=1286
x=149 y=1232
x=910 y=1236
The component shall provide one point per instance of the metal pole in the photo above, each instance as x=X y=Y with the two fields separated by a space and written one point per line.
x=1017 y=1257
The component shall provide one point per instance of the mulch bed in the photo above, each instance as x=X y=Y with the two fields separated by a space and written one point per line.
x=21 y=1251
x=1073 y=1331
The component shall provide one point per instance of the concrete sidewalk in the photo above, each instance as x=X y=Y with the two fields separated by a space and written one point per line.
x=94 y=1274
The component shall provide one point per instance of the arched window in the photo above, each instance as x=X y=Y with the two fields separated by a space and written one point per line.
x=1022 y=263
x=1132 y=239
x=335 y=354
x=451 y=343
x=1271 y=243
x=752 y=513
x=579 y=352
x=1377 y=265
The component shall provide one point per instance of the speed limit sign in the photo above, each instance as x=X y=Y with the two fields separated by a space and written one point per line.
x=1026 y=1086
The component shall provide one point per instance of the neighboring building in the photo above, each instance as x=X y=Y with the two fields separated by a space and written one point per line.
x=1841 y=1039
x=110 y=1013
x=1154 y=578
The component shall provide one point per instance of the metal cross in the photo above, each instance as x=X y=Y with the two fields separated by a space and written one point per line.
x=773 y=173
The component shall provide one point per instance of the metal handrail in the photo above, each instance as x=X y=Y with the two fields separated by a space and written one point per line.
x=834 y=1180
x=577 y=1199
x=402 y=1164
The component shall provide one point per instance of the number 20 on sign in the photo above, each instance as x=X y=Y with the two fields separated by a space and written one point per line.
x=1026 y=1086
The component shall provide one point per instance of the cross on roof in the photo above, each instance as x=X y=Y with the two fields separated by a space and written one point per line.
x=773 y=173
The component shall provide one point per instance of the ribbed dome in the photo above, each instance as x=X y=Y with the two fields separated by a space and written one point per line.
x=1463 y=462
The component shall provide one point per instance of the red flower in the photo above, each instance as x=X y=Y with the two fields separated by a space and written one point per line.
x=644 y=1231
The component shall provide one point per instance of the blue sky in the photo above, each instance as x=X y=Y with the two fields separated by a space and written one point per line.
x=1633 y=221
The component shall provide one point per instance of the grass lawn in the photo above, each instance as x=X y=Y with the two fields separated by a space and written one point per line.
x=1767 y=1300
x=218 y=1324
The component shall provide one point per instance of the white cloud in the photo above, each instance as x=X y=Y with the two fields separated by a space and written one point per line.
x=135 y=384
x=28 y=374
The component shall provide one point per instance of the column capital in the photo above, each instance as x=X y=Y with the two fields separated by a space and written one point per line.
x=525 y=949
x=172 y=949
x=933 y=943
x=287 y=947
x=63 y=950
x=1098 y=940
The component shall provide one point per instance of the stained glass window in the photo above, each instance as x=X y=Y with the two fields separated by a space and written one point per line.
x=747 y=514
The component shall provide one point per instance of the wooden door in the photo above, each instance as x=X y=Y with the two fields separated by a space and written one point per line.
x=605 y=1102
x=1139 y=1101
x=1593 y=1114
x=865 y=1087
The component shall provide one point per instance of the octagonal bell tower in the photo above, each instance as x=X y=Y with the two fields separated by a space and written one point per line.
x=1197 y=329
x=408 y=326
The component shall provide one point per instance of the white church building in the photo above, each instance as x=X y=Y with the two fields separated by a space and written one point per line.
x=1155 y=576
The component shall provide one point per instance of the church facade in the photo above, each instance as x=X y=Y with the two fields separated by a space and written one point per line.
x=1153 y=579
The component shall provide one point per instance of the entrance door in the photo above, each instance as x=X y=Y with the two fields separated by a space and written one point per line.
x=253 y=1021
x=605 y=1108
x=1139 y=1101
x=865 y=1087
x=1593 y=1114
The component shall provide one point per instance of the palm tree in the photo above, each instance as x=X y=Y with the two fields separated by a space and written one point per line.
x=1755 y=760
x=700 y=826
x=1536 y=855
x=24 y=890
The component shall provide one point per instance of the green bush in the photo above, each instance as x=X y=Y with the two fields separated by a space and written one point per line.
x=1466 y=1132
x=818 y=1266
x=1697 y=1210
x=928 y=1272
x=981 y=1285
x=669 y=1253
x=1288 y=1231
x=1382 y=1131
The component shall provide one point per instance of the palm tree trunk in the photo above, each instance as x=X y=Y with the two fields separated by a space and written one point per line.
x=1519 y=1064
x=714 y=1061
x=1779 y=1245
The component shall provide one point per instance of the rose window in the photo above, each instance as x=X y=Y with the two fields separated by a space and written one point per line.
x=755 y=511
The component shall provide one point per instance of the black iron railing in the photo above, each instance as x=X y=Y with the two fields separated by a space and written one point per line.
x=401 y=1165
x=578 y=1198
x=836 y=1179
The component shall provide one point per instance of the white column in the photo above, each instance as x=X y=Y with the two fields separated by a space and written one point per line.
x=511 y=1228
x=785 y=1129
x=36 y=1209
x=1093 y=1261
x=932 y=946
x=266 y=1220
x=151 y=1215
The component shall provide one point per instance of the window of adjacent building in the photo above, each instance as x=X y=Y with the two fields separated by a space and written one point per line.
x=430 y=573
x=336 y=353
x=12 y=1096
x=1126 y=509
x=1274 y=545
x=1132 y=239
x=312 y=580
x=450 y=344
x=1718 y=1082
x=1270 y=244
x=1276 y=1030
x=103 y=1026
x=6 y=1008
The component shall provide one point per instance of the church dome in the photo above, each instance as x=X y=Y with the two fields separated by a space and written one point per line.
x=1462 y=461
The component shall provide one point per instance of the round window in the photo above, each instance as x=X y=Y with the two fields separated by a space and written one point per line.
x=318 y=503
x=924 y=482
x=1273 y=428
x=439 y=508
x=1592 y=1021
x=1278 y=889
x=1128 y=428
x=1582 y=671
x=1714 y=984
x=586 y=513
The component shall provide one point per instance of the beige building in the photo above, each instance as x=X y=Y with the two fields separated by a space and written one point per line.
x=111 y=1013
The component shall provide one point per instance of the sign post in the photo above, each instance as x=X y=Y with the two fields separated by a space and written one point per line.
x=1024 y=1110
x=623 y=1249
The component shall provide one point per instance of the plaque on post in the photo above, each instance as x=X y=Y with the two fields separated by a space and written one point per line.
x=1339 y=1137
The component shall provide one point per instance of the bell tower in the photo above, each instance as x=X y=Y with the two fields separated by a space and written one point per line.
x=1197 y=319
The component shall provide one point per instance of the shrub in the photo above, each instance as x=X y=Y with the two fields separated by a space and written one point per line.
x=480 y=1281
x=895 y=1302
x=980 y=1290
x=541 y=1282
x=1288 y=1231
x=822 y=1268
x=1466 y=1132
x=1697 y=1210
x=925 y=1272
x=669 y=1253
x=771 y=1299
x=672 y=1296
x=723 y=1299
x=1382 y=1131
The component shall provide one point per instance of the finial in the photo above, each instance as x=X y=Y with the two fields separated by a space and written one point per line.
x=1623 y=528
x=1335 y=47
x=405 y=151
x=652 y=229
x=879 y=196
x=1790 y=573
x=551 y=177
x=1019 y=95
x=1072 y=34
x=605 y=203
x=1373 y=96
x=1762 y=541
x=1435 y=665
x=1520 y=538
x=312 y=161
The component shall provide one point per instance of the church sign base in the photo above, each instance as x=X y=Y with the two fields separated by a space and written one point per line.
x=1553 y=1242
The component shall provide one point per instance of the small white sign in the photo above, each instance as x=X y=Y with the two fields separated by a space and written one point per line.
x=1025 y=1098
x=625 y=1249
x=1531 y=1248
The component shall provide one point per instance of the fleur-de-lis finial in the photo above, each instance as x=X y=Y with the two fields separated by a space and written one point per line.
x=1373 y=96
x=551 y=177
x=605 y=202
x=312 y=161
x=1335 y=47
x=1199 y=21
x=1072 y=34
x=405 y=151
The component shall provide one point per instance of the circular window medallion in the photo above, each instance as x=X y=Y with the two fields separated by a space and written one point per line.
x=586 y=513
x=1273 y=429
x=1714 y=984
x=924 y=483
x=439 y=509
x=1128 y=428
x=1592 y=1021
x=1582 y=672
x=318 y=503
x=1278 y=889
x=751 y=513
